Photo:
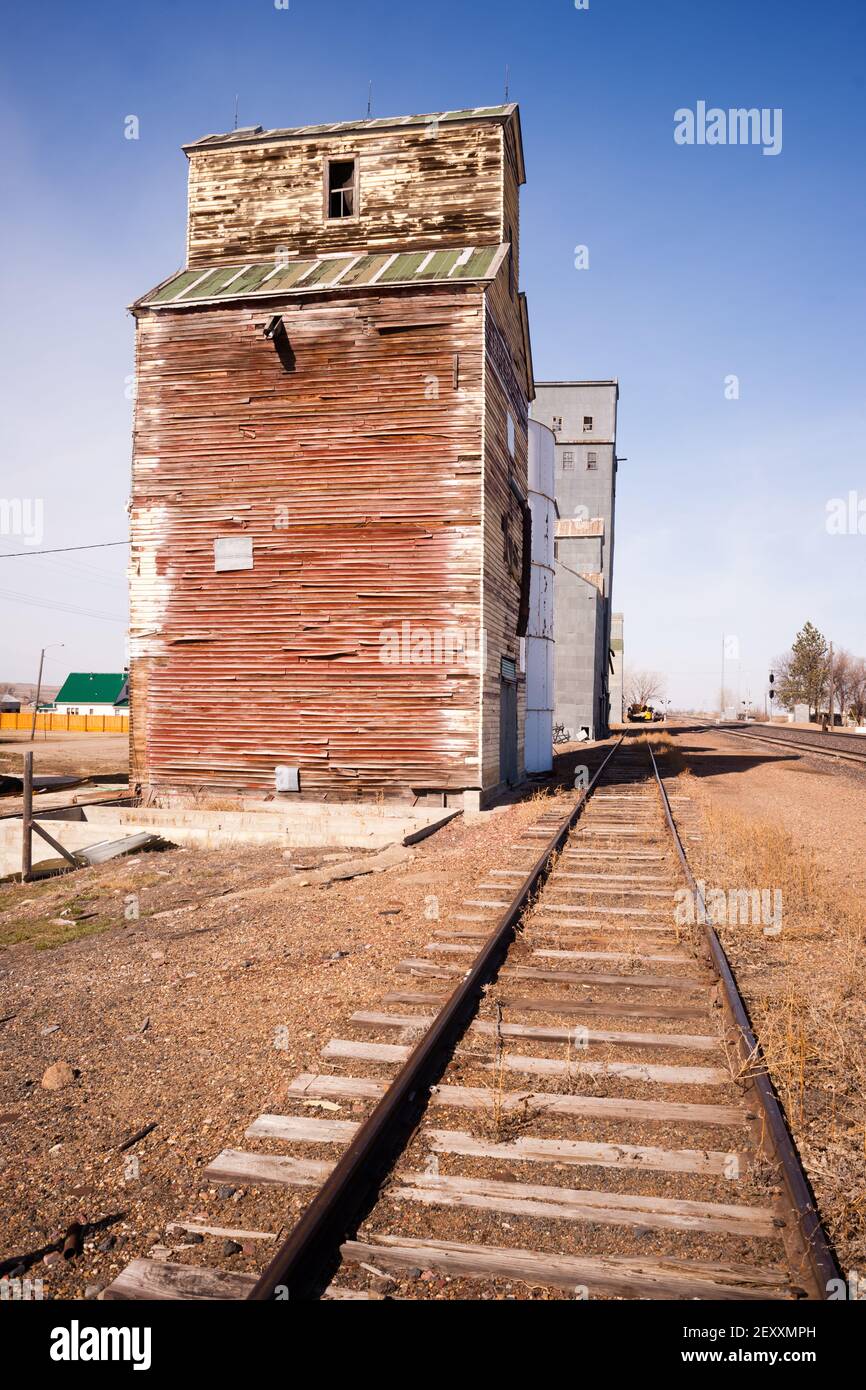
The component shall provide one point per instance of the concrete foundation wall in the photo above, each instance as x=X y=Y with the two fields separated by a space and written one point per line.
x=303 y=825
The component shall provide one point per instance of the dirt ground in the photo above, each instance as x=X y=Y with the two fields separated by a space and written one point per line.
x=185 y=989
x=775 y=819
x=57 y=751
x=193 y=1016
x=820 y=804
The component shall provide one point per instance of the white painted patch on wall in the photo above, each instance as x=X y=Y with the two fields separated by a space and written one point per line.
x=232 y=553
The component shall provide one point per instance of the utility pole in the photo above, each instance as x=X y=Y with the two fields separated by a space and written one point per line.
x=39 y=687
x=38 y=693
x=722 y=690
x=832 y=692
x=27 y=819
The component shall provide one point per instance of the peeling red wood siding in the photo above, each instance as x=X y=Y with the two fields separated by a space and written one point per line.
x=358 y=477
x=367 y=463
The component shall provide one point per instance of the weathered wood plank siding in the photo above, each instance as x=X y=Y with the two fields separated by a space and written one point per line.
x=511 y=197
x=367 y=461
x=505 y=391
x=358 y=476
x=434 y=186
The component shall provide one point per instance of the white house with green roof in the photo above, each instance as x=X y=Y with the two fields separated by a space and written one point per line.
x=93 y=692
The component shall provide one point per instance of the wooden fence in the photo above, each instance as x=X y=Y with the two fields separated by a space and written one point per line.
x=68 y=723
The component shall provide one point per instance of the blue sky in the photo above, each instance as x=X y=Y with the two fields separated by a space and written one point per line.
x=704 y=262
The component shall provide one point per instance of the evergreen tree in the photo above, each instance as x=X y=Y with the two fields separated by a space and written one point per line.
x=808 y=670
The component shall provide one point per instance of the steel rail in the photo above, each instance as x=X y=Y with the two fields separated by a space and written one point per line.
x=822 y=1262
x=800 y=744
x=312 y=1247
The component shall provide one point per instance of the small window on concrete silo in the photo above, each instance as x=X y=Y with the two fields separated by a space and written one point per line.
x=587 y=424
x=568 y=461
x=592 y=461
x=342 y=190
x=232 y=553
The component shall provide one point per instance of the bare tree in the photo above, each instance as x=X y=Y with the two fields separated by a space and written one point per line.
x=787 y=693
x=857 y=696
x=845 y=679
x=642 y=687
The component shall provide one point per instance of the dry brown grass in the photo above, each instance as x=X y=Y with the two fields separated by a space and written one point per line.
x=501 y=1122
x=806 y=994
x=667 y=751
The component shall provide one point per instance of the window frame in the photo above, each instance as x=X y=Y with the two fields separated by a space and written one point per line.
x=347 y=158
x=587 y=424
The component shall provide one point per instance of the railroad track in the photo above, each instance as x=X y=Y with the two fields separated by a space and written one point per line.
x=824 y=749
x=561 y=1096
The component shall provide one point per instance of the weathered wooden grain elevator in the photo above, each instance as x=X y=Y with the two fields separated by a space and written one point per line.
x=330 y=533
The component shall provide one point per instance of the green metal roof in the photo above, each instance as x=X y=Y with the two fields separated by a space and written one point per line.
x=353 y=270
x=256 y=134
x=91 y=688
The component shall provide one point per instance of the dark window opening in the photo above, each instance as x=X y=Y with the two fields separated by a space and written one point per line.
x=556 y=424
x=587 y=423
x=592 y=460
x=341 y=188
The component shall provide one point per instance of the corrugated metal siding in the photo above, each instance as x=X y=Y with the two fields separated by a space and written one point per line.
x=303 y=132
x=353 y=270
x=358 y=477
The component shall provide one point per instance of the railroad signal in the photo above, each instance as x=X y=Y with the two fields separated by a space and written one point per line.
x=772 y=683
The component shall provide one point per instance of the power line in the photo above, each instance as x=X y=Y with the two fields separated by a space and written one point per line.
x=82 y=572
x=60 y=550
x=28 y=600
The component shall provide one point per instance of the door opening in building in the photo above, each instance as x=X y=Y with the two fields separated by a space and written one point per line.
x=508 y=722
